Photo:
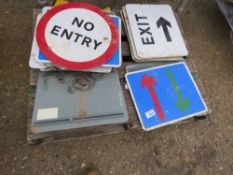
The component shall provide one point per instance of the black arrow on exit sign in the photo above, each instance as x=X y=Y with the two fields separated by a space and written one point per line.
x=165 y=23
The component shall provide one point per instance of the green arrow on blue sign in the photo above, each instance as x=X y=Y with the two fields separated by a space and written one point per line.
x=182 y=103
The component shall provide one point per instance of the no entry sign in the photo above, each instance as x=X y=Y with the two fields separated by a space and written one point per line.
x=77 y=36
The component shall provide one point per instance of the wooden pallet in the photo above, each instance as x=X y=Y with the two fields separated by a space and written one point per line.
x=133 y=123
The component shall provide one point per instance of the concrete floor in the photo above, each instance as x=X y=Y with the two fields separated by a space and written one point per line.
x=199 y=148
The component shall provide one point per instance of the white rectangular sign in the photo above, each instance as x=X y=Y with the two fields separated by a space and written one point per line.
x=47 y=113
x=154 y=32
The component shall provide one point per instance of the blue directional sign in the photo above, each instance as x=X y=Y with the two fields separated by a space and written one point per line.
x=164 y=95
x=115 y=61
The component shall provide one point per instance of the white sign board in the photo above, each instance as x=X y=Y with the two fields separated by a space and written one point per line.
x=33 y=63
x=154 y=31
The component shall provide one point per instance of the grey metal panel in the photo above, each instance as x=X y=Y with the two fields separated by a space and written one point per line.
x=103 y=103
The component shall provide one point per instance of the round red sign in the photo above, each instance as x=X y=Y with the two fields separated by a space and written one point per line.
x=77 y=36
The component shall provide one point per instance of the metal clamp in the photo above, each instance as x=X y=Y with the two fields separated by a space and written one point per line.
x=81 y=83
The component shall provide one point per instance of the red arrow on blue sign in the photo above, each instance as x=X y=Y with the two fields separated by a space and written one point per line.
x=148 y=82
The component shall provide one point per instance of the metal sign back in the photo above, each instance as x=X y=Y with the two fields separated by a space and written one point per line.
x=77 y=100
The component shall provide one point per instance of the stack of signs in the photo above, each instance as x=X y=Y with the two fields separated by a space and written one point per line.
x=164 y=94
x=153 y=33
x=78 y=37
x=163 y=91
